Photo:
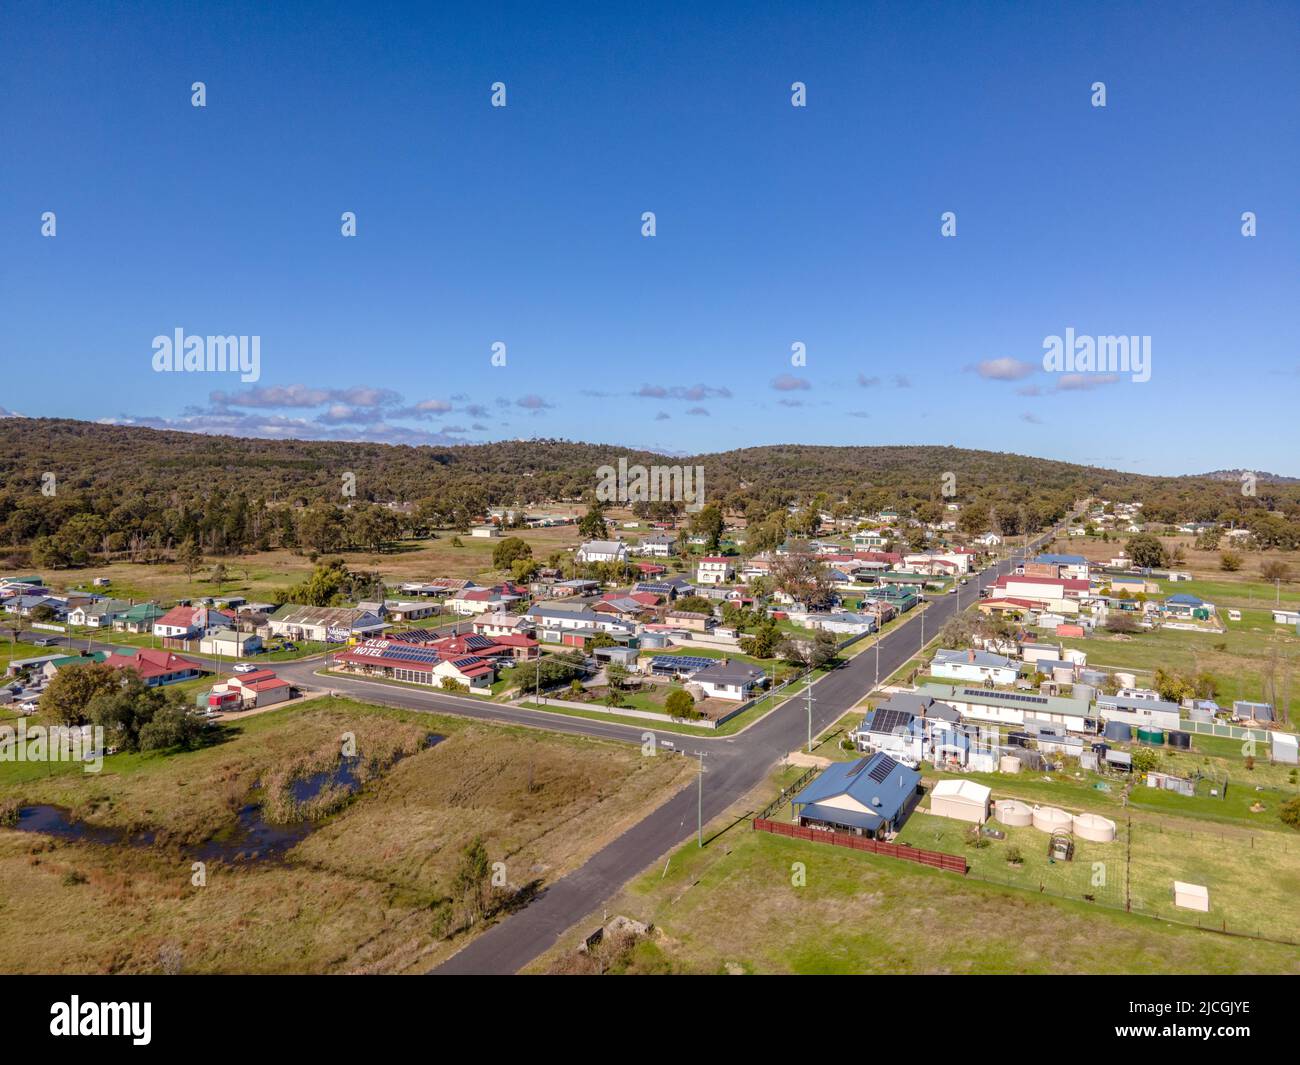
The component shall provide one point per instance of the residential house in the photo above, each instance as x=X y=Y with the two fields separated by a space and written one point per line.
x=602 y=551
x=139 y=618
x=987 y=705
x=1186 y=605
x=868 y=797
x=733 y=681
x=973 y=665
x=230 y=643
x=324 y=624
x=98 y=615
x=55 y=664
x=502 y=625
x=183 y=624
x=156 y=667
x=657 y=546
x=1071 y=567
x=714 y=569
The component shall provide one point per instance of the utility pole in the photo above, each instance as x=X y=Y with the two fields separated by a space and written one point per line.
x=699 y=802
x=810 y=701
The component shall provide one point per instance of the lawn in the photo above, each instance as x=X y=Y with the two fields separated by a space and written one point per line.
x=368 y=891
x=736 y=906
x=265 y=575
x=1239 y=658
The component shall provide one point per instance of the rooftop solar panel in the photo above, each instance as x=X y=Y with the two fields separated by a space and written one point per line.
x=1013 y=697
x=890 y=720
x=680 y=663
x=881 y=770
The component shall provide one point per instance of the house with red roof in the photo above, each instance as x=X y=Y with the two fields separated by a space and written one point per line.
x=182 y=624
x=156 y=667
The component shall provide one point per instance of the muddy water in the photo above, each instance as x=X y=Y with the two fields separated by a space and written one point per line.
x=251 y=838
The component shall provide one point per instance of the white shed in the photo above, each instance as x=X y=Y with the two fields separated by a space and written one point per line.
x=962 y=800
x=1285 y=748
x=1191 y=896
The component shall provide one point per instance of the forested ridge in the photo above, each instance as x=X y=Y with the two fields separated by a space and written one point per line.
x=124 y=491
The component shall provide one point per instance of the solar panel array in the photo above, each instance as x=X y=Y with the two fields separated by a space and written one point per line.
x=404 y=653
x=680 y=663
x=1013 y=697
x=414 y=636
x=881 y=770
x=891 y=720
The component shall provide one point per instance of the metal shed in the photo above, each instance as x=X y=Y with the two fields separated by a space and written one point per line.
x=962 y=800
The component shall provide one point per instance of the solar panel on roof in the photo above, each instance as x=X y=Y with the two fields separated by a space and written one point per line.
x=680 y=663
x=1014 y=697
x=890 y=720
x=881 y=770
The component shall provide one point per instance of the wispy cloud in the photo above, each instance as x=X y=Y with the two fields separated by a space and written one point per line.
x=1004 y=369
x=1084 y=382
x=787 y=382
x=868 y=382
x=689 y=393
x=1032 y=419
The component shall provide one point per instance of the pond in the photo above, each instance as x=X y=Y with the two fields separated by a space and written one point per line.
x=250 y=838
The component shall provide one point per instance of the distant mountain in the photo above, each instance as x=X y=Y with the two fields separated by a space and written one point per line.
x=1235 y=475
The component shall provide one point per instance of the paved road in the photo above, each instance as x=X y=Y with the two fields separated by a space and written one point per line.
x=733 y=766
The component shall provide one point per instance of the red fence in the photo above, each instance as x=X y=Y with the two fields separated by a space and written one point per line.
x=954 y=863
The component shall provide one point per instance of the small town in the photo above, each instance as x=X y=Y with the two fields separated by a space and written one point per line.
x=695 y=491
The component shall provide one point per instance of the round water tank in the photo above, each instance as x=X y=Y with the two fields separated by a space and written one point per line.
x=1126 y=680
x=1052 y=819
x=1013 y=813
x=1094 y=827
x=1153 y=737
x=1181 y=740
x=1008 y=763
x=1117 y=730
x=1084 y=691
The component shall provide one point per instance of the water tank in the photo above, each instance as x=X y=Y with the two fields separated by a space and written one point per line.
x=1094 y=827
x=1153 y=737
x=1118 y=730
x=1181 y=740
x=1084 y=691
x=1013 y=813
x=1126 y=680
x=1009 y=763
x=1052 y=819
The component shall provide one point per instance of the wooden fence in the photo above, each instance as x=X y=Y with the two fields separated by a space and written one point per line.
x=954 y=863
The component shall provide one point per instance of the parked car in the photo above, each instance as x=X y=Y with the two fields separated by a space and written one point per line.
x=246 y=667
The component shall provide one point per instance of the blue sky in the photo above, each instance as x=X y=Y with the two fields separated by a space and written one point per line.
x=775 y=224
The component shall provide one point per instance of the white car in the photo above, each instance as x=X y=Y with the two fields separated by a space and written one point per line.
x=245 y=667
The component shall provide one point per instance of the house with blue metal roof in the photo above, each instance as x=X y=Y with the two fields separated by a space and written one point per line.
x=869 y=797
x=1186 y=605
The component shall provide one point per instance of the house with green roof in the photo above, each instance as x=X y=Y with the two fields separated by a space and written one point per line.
x=140 y=618
x=55 y=664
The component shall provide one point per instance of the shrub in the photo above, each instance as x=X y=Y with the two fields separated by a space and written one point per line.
x=1289 y=812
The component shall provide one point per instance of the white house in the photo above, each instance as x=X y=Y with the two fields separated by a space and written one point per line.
x=732 y=681
x=972 y=665
x=602 y=551
x=989 y=539
x=714 y=569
